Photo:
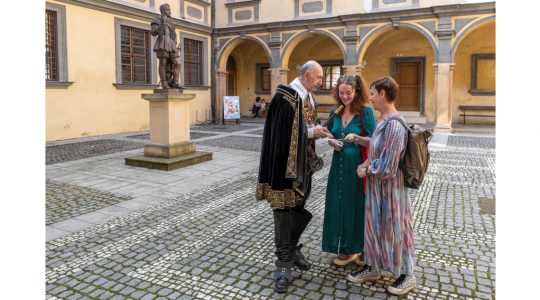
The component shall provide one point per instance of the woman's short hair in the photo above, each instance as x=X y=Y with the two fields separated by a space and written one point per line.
x=388 y=85
x=361 y=91
x=258 y=99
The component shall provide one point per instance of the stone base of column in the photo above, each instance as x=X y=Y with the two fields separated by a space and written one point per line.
x=443 y=129
x=168 y=164
x=169 y=151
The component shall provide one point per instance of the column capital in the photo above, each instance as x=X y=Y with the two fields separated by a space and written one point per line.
x=352 y=70
x=274 y=44
x=445 y=34
x=395 y=22
x=351 y=39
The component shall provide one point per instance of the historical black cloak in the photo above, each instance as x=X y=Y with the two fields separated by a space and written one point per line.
x=283 y=170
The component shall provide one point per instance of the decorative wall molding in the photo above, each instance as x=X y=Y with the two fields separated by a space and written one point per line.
x=363 y=19
x=306 y=9
x=136 y=13
x=243 y=13
x=474 y=75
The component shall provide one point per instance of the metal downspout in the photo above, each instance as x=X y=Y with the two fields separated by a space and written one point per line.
x=212 y=59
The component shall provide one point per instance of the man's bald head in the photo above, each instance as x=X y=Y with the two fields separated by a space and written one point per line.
x=311 y=75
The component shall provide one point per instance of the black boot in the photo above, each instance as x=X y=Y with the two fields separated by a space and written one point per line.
x=283 y=263
x=298 y=223
x=282 y=276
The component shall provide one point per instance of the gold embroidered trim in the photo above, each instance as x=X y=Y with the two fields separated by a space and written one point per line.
x=308 y=111
x=277 y=199
x=293 y=148
x=286 y=93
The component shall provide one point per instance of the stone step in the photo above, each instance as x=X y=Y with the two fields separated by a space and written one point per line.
x=414 y=114
x=415 y=120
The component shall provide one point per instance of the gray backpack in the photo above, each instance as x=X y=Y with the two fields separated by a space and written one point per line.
x=416 y=159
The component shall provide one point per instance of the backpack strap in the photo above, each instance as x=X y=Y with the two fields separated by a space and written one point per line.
x=402 y=166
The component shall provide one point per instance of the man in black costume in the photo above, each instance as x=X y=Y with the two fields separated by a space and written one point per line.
x=284 y=174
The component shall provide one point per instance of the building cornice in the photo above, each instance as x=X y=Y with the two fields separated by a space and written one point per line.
x=369 y=18
x=135 y=13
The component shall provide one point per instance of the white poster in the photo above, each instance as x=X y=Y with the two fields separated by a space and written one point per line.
x=231 y=107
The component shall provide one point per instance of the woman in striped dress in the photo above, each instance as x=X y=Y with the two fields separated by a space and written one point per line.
x=388 y=235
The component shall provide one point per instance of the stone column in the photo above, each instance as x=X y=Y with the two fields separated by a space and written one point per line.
x=443 y=97
x=352 y=70
x=221 y=91
x=277 y=76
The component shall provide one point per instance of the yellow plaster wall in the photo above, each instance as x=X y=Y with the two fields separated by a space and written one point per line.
x=247 y=55
x=478 y=41
x=401 y=43
x=92 y=106
x=347 y=7
x=221 y=13
x=317 y=48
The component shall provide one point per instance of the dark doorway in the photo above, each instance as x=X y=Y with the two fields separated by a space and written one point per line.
x=231 y=77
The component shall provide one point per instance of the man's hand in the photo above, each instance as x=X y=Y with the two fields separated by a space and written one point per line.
x=319 y=131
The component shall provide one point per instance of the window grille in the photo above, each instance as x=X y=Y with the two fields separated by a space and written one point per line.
x=134 y=55
x=192 y=62
x=50 y=46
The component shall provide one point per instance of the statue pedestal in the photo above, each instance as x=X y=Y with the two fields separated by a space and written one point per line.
x=170 y=147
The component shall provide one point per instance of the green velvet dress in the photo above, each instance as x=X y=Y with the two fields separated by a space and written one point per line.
x=343 y=229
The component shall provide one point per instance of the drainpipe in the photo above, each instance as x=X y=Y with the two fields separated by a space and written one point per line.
x=213 y=62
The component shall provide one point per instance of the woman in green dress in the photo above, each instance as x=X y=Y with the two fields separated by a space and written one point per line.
x=343 y=229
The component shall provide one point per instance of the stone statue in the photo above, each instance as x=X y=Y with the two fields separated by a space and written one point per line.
x=166 y=50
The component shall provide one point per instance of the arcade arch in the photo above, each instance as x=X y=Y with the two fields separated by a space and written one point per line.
x=249 y=56
x=323 y=49
x=408 y=56
x=477 y=40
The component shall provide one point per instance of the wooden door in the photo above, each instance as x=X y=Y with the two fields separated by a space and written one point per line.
x=231 y=83
x=231 y=77
x=408 y=80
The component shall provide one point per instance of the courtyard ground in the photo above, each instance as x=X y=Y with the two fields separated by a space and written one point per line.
x=120 y=232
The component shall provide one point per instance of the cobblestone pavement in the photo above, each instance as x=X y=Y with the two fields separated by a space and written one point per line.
x=223 y=128
x=217 y=243
x=235 y=142
x=75 y=151
x=471 y=142
x=64 y=201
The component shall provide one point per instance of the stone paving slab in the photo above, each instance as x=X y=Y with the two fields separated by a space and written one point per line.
x=236 y=142
x=193 y=135
x=224 y=128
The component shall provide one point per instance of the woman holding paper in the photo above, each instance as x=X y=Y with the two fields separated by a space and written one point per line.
x=343 y=229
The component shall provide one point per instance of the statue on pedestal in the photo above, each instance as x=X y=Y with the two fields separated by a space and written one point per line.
x=166 y=49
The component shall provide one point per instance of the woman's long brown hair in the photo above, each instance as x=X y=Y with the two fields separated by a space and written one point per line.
x=361 y=93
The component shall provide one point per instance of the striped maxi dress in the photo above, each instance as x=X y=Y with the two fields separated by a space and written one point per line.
x=388 y=235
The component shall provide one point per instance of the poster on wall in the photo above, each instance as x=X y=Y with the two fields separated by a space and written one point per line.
x=231 y=107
